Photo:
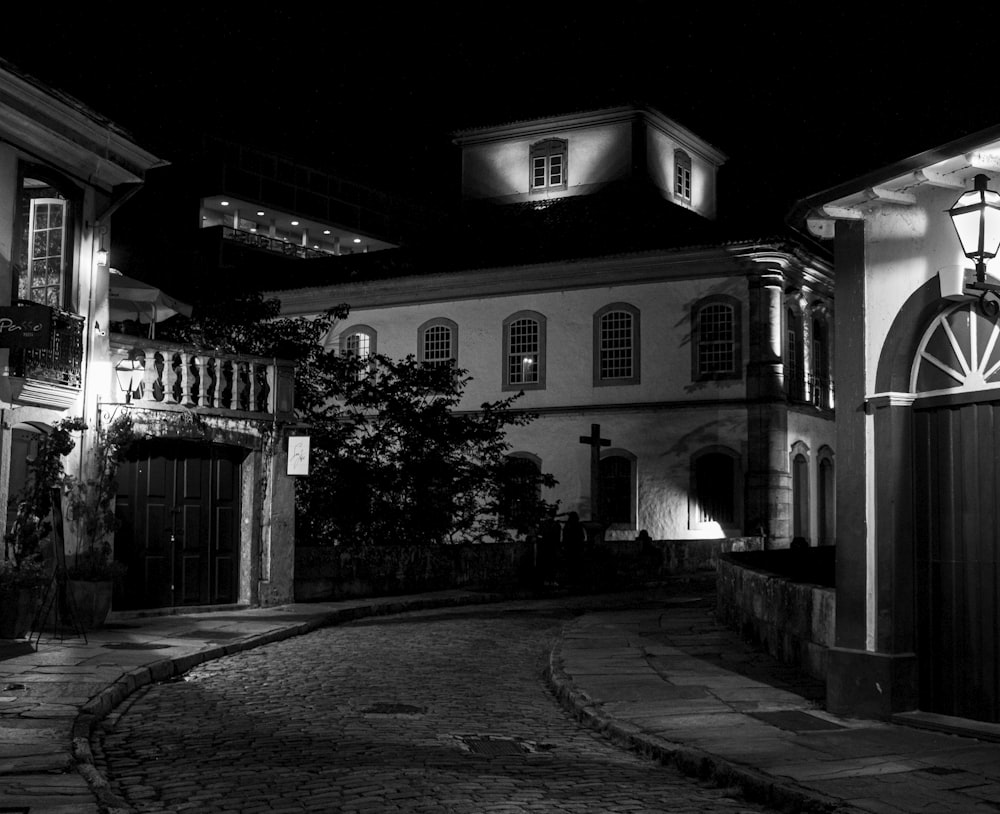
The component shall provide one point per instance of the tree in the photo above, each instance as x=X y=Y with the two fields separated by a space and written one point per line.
x=393 y=460
x=396 y=462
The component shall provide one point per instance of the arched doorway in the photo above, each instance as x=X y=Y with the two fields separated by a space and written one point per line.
x=955 y=377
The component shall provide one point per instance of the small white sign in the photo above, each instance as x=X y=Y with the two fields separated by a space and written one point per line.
x=298 y=455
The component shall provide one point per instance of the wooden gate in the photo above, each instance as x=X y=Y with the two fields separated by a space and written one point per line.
x=956 y=505
x=179 y=508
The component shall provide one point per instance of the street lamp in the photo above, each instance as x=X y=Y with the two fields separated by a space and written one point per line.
x=976 y=218
x=129 y=372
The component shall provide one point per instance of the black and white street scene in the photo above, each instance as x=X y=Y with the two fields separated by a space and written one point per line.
x=499 y=409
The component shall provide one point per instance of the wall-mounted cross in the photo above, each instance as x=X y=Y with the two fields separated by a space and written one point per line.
x=596 y=442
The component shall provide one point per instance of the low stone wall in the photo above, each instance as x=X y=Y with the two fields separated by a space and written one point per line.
x=339 y=572
x=758 y=595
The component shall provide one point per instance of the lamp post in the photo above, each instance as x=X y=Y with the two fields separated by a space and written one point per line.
x=976 y=218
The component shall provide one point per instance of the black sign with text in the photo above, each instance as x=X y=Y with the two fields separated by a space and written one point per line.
x=26 y=326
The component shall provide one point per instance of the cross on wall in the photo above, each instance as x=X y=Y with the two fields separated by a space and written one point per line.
x=596 y=442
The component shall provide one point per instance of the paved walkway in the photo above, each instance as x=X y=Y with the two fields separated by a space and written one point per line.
x=660 y=677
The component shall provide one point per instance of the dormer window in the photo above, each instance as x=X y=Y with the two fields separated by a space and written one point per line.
x=548 y=165
x=682 y=176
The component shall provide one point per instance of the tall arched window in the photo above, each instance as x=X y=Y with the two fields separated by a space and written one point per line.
x=616 y=345
x=716 y=498
x=826 y=497
x=716 y=339
x=44 y=256
x=617 y=478
x=794 y=372
x=437 y=342
x=522 y=490
x=359 y=340
x=800 y=490
x=821 y=377
x=524 y=351
x=682 y=176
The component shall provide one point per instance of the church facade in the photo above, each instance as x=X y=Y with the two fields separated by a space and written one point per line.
x=588 y=273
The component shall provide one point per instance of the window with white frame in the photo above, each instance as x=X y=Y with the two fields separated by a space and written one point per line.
x=682 y=176
x=524 y=351
x=616 y=345
x=717 y=346
x=45 y=253
x=548 y=164
x=437 y=342
x=360 y=341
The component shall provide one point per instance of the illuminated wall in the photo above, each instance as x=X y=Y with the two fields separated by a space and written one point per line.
x=501 y=169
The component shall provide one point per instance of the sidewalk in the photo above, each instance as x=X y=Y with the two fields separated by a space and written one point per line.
x=661 y=678
x=667 y=681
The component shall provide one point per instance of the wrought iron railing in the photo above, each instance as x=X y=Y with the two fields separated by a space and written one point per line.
x=59 y=363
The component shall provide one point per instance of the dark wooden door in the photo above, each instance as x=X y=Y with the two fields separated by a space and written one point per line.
x=957 y=500
x=178 y=505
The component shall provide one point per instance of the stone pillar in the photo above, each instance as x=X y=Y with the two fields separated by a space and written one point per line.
x=768 y=483
x=871 y=670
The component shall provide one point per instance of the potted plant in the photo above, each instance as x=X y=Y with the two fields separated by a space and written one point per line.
x=24 y=571
x=91 y=514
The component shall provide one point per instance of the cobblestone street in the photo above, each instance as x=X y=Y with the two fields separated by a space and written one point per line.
x=434 y=711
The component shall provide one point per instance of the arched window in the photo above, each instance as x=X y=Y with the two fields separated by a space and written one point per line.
x=821 y=376
x=524 y=351
x=794 y=372
x=521 y=490
x=826 y=496
x=437 y=342
x=800 y=490
x=360 y=341
x=716 y=501
x=617 y=478
x=682 y=176
x=716 y=346
x=548 y=165
x=44 y=254
x=616 y=345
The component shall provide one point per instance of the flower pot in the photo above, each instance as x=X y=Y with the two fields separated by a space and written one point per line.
x=90 y=601
x=17 y=611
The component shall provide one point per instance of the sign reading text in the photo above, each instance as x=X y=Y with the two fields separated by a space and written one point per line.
x=25 y=326
x=298 y=455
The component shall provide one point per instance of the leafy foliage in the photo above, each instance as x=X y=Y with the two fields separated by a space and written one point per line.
x=91 y=502
x=393 y=461
x=32 y=525
x=396 y=462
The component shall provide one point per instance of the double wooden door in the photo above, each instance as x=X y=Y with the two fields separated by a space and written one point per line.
x=178 y=507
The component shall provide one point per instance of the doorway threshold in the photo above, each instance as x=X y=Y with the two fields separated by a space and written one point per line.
x=983 y=730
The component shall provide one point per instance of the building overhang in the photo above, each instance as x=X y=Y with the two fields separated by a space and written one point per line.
x=950 y=166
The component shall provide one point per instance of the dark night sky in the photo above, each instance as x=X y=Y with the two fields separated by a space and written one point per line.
x=800 y=96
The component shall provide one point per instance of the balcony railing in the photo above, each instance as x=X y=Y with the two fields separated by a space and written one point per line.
x=152 y=374
x=815 y=390
x=270 y=244
x=50 y=376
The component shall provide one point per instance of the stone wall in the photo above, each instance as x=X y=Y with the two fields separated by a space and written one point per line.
x=339 y=572
x=770 y=598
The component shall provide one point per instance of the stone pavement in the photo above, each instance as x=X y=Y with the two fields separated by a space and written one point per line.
x=659 y=677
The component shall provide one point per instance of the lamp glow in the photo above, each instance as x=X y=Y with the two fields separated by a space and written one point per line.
x=976 y=218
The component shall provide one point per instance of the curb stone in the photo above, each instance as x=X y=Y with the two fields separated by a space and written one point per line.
x=752 y=784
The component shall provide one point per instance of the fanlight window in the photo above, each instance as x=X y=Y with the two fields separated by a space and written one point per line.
x=960 y=351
